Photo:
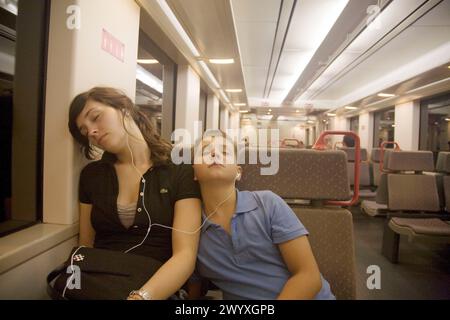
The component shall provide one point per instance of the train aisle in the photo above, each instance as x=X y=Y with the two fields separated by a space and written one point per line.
x=422 y=271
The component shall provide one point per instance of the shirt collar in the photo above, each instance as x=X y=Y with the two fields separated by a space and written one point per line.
x=108 y=157
x=245 y=203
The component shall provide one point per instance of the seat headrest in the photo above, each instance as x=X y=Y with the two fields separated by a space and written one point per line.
x=410 y=161
x=302 y=174
x=351 y=154
x=375 y=155
x=443 y=162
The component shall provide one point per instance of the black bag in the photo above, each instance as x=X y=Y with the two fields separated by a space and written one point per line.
x=100 y=274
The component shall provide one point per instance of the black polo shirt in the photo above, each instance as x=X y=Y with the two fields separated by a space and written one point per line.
x=164 y=185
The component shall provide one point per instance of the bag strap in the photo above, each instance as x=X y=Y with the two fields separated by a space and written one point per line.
x=55 y=295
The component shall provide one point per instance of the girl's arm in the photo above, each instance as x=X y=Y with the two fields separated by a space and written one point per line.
x=305 y=281
x=177 y=270
x=87 y=232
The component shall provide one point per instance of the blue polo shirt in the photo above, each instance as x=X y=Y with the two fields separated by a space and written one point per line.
x=248 y=264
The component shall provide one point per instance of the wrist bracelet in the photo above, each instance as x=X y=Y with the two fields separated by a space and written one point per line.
x=141 y=293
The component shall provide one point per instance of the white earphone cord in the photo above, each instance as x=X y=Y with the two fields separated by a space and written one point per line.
x=161 y=225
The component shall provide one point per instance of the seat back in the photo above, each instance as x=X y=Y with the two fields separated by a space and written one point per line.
x=364 y=172
x=302 y=174
x=412 y=191
x=316 y=176
x=382 y=190
x=332 y=242
x=375 y=166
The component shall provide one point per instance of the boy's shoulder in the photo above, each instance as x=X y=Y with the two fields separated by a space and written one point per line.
x=265 y=198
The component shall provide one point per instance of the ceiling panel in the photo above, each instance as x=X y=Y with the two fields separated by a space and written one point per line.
x=255 y=78
x=311 y=22
x=410 y=45
x=255 y=40
x=214 y=36
x=426 y=84
x=256 y=22
x=256 y=10
x=411 y=51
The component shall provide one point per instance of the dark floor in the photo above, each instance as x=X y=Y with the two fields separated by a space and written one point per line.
x=423 y=271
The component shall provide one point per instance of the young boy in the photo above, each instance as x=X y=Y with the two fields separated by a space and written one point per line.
x=252 y=245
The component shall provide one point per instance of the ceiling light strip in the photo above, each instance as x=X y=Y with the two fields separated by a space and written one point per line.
x=282 y=46
x=224 y=96
x=380 y=43
x=209 y=74
x=178 y=27
x=221 y=61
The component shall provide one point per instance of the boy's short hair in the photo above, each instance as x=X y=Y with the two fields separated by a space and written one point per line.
x=348 y=141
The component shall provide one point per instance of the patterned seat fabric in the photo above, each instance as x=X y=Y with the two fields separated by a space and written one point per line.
x=351 y=154
x=412 y=192
x=331 y=238
x=302 y=174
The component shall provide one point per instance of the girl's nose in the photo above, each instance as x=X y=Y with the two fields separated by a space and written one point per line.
x=93 y=132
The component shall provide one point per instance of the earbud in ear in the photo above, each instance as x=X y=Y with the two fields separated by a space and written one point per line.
x=238 y=176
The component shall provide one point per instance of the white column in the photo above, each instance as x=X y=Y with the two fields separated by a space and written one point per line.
x=339 y=124
x=76 y=63
x=366 y=130
x=188 y=99
x=224 y=116
x=212 y=112
x=234 y=120
x=407 y=123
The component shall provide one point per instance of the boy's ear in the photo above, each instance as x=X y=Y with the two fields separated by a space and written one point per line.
x=195 y=178
x=239 y=173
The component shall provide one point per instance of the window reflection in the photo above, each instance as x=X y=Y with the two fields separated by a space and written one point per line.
x=149 y=86
x=384 y=126
x=354 y=124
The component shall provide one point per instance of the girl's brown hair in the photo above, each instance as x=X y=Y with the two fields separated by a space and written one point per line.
x=160 y=149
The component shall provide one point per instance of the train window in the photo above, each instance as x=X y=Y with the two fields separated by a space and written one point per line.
x=384 y=126
x=354 y=124
x=149 y=86
x=23 y=42
x=434 y=124
x=155 y=85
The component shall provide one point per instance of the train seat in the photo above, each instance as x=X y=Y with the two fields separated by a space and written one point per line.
x=316 y=176
x=365 y=180
x=378 y=207
x=415 y=192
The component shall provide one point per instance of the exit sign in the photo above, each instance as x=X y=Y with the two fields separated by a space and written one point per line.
x=113 y=46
